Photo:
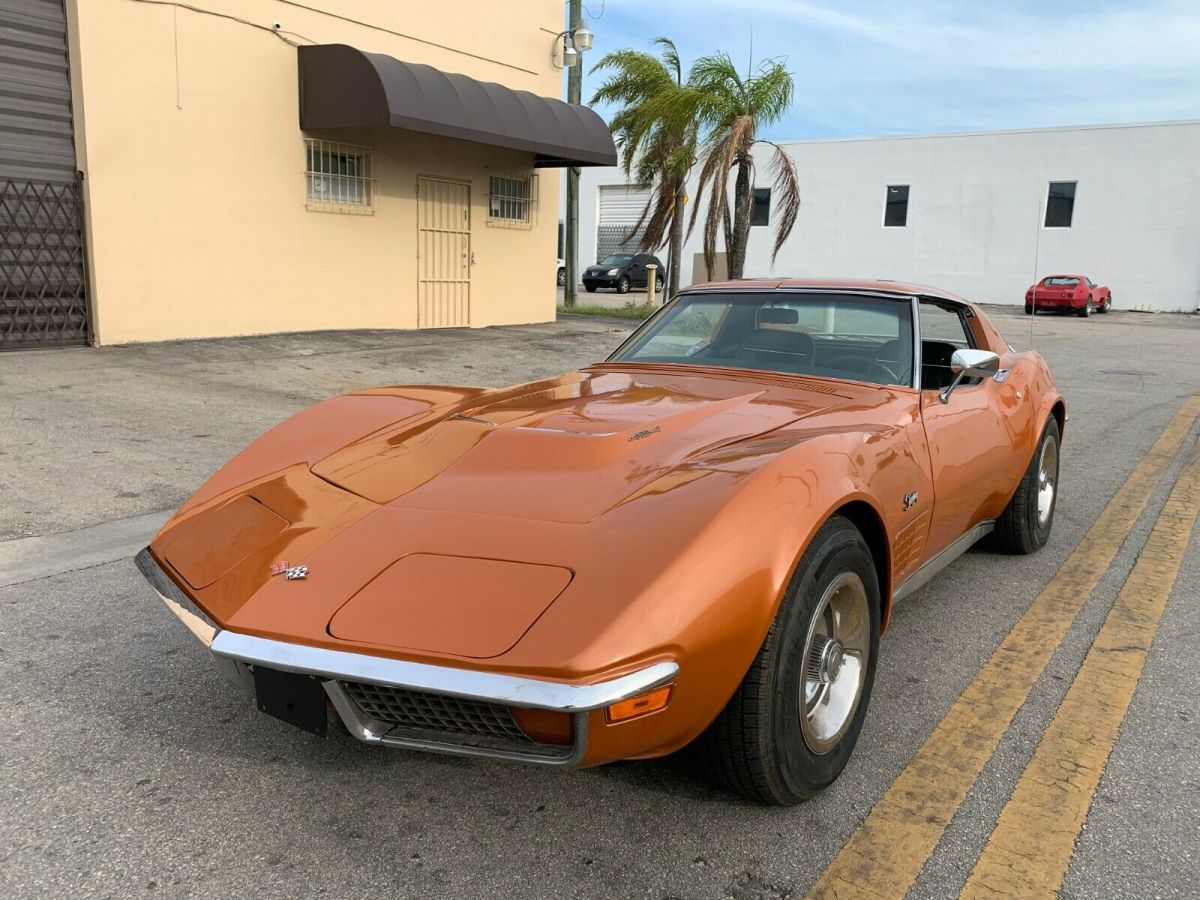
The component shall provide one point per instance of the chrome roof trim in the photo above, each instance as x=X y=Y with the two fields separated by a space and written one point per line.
x=496 y=687
x=882 y=293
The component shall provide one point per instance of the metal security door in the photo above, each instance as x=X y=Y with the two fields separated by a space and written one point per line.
x=621 y=207
x=443 y=253
x=43 y=282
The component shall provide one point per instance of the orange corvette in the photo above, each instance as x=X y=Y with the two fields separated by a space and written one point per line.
x=700 y=539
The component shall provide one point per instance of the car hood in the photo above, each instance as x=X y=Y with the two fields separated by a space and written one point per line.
x=568 y=449
x=451 y=530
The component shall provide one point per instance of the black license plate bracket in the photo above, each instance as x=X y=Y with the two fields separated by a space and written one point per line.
x=291 y=697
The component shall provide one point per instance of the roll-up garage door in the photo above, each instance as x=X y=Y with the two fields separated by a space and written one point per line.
x=43 y=285
x=620 y=209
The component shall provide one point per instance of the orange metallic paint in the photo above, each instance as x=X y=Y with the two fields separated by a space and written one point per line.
x=677 y=500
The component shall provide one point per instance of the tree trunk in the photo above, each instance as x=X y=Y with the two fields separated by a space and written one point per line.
x=741 y=221
x=675 y=260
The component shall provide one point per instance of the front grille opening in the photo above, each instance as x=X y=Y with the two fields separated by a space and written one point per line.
x=435 y=712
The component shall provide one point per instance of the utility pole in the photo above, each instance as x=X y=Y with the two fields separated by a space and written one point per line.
x=574 y=91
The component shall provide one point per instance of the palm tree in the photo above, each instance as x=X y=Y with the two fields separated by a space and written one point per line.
x=732 y=109
x=656 y=137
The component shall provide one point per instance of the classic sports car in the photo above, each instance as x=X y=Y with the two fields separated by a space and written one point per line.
x=1068 y=293
x=701 y=538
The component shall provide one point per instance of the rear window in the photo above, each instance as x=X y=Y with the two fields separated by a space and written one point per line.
x=825 y=335
x=1061 y=282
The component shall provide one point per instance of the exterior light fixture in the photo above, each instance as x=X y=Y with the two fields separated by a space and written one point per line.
x=582 y=37
x=575 y=43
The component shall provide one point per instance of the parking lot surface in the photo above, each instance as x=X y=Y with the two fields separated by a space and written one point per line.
x=130 y=766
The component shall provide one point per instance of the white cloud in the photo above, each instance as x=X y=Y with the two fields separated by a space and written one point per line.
x=878 y=67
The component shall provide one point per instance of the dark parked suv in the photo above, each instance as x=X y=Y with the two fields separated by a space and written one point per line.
x=622 y=271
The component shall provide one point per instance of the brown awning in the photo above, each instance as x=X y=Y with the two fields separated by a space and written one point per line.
x=342 y=87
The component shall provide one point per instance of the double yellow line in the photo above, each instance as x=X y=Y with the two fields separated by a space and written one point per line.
x=1033 y=841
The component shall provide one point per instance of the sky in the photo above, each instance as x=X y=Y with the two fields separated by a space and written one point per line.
x=866 y=67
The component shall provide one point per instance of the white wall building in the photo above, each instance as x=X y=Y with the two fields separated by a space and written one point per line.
x=1126 y=212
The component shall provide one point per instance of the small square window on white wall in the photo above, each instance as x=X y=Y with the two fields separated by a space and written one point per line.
x=512 y=200
x=340 y=177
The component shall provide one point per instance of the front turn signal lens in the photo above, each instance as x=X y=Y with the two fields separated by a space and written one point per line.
x=641 y=705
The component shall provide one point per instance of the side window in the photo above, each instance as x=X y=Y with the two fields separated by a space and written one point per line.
x=941 y=324
x=943 y=330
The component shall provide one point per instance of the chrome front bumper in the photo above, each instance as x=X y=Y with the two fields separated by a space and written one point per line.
x=240 y=653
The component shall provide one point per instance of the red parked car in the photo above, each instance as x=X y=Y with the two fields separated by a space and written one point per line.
x=1068 y=293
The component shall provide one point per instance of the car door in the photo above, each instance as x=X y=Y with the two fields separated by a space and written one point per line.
x=637 y=271
x=970 y=447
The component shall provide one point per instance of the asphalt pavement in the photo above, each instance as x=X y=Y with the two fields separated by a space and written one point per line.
x=130 y=766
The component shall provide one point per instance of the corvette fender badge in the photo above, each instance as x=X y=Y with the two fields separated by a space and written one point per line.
x=290 y=572
x=910 y=500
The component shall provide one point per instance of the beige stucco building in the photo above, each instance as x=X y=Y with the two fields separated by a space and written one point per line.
x=415 y=185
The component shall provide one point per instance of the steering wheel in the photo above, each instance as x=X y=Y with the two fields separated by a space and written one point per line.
x=848 y=363
x=888 y=373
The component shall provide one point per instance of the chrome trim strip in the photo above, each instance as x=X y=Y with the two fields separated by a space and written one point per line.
x=513 y=690
x=926 y=573
x=917 y=345
x=371 y=731
x=192 y=616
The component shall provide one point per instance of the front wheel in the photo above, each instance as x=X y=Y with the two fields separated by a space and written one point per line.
x=1107 y=304
x=1025 y=524
x=623 y=284
x=789 y=729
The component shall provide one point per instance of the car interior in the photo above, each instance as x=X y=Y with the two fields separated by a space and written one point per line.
x=771 y=337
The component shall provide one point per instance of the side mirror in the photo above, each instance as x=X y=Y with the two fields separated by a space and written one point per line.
x=970 y=364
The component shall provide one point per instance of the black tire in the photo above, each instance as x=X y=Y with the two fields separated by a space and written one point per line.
x=623 y=284
x=590 y=288
x=561 y=280
x=1021 y=528
x=1087 y=308
x=1028 y=310
x=757 y=746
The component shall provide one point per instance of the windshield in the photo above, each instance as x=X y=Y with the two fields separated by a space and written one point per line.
x=617 y=259
x=1060 y=281
x=826 y=335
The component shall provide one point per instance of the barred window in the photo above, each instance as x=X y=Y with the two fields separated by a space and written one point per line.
x=340 y=177
x=512 y=200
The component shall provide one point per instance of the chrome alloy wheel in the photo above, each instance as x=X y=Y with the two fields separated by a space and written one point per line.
x=836 y=654
x=1047 y=482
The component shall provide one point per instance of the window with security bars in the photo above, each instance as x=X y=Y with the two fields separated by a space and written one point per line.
x=512 y=200
x=340 y=177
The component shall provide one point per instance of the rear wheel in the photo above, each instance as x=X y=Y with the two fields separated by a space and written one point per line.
x=562 y=277
x=791 y=726
x=1025 y=524
x=1087 y=308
